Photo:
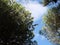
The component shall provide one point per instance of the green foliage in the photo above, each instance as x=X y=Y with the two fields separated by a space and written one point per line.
x=46 y=2
x=51 y=30
x=15 y=24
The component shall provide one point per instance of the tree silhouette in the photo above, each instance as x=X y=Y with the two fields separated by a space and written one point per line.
x=46 y=2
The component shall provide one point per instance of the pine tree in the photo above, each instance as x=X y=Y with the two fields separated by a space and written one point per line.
x=15 y=24
x=51 y=30
x=46 y=2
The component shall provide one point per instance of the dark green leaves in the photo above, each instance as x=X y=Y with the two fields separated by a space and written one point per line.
x=15 y=24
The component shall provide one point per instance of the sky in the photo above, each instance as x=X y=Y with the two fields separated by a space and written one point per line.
x=37 y=11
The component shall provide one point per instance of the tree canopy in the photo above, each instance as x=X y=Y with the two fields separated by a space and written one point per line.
x=46 y=2
x=15 y=24
x=51 y=30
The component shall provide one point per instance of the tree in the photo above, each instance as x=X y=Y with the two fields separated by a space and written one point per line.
x=51 y=30
x=15 y=24
x=46 y=2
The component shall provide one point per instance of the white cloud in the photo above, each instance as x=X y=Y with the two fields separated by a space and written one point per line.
x=36 y=9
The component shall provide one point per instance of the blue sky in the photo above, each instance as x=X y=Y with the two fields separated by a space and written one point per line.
x=37 y=11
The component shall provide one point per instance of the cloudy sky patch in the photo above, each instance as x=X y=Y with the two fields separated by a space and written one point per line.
x=36 y=9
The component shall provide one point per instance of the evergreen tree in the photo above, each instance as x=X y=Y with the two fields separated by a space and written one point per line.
x=46 y=2
x=15 y=24
x=51 y=30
